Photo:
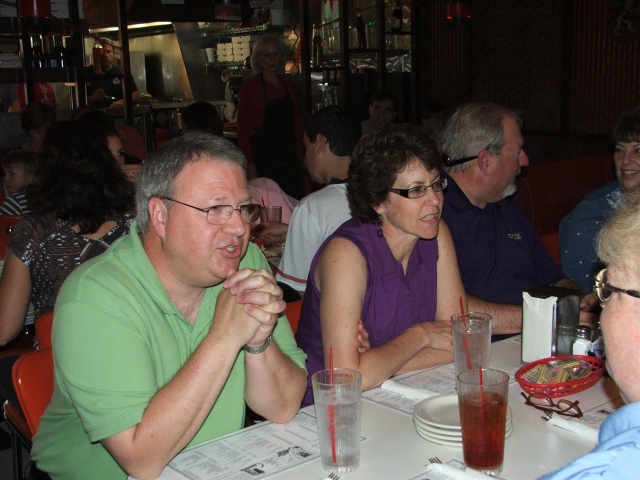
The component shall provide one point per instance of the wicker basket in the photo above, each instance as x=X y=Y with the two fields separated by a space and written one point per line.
x=565 y=388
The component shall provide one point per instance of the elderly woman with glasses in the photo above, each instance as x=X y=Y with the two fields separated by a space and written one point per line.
x=617 y=455
x=392 y=267
x=270 y=126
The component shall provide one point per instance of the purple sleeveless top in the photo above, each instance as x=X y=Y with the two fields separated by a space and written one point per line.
x=393 y=301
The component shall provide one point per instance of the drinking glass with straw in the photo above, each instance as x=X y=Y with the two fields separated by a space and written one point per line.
x=471 y=332
x=337 y=395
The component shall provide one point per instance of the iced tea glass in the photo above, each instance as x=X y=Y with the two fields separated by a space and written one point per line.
x=482 y=399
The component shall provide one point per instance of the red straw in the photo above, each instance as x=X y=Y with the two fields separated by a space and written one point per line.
x=332 y=427
x=481 y=393
x=465 y=342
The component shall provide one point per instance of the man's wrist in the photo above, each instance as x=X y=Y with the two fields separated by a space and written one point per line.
x=261 y=348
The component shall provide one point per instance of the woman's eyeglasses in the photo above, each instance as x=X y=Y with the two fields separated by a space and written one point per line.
x=421 y=191
x=544 y=402
x=603 y=289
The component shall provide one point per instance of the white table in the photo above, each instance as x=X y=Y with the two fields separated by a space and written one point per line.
x=396 y=451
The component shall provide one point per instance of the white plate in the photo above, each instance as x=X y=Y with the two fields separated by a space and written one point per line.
x=451 y=442
x=446 y=433
x=451 y=430
x=441 y=412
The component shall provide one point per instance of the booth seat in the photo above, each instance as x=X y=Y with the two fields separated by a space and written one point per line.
x=548 y=191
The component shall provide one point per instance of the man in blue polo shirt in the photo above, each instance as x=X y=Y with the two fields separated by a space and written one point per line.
x=499 y=252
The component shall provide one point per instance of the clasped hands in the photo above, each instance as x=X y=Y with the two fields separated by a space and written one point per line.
x=248 y=306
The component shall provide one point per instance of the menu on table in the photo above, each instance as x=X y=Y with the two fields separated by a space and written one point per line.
x=263 y=449
x=434 y=381
x=598 y=414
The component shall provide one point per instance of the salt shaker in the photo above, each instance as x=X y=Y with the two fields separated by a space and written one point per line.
x=582 y=344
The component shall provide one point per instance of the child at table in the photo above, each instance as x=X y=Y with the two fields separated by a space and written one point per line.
x=19 y=167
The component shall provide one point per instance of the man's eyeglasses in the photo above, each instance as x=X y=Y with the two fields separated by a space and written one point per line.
x=452 y=163
x=448 y=162
x=603 y=289
x=544 y=402
x=421 y=191
x=220 y=214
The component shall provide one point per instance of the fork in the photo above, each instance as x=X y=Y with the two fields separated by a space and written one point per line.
x=435 y=460
x=334 y=476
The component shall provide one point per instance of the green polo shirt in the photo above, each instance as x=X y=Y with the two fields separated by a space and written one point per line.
x=118 y=339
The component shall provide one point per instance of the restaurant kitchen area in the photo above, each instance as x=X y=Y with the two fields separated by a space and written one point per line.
x=183 y=52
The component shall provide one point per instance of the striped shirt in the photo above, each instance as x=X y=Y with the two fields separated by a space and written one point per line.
x=15 y=204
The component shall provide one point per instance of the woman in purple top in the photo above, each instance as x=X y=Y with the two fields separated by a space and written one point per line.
x=393 y=267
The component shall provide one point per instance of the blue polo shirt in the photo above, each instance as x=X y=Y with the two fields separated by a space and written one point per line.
x=499 y=252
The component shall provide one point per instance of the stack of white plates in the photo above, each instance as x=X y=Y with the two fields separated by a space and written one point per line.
x=437 y=419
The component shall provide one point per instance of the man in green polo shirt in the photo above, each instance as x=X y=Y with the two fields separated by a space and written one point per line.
x=159 y=342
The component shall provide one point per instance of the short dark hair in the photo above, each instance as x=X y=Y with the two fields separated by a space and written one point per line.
x=339 y=126
x=77 y=179
x=384 y=95
x=22 y=159
x=37 y=115
x=378 y=159
x=202 y=116
x=628 y=127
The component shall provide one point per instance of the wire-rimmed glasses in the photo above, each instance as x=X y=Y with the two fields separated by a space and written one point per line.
x=220 y=214
x=543 y=402
x=602 y=288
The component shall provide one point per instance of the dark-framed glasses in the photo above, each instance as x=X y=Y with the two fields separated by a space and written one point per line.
x=602 y=288
x=545 y=403
x=220 y=214
x=452 y=163
x=448 y=162
x=421 y=191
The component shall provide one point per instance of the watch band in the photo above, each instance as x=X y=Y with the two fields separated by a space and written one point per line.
x=259 y=349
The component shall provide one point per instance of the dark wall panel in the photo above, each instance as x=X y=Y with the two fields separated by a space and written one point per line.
x=605 y=71
x=515 y=49
x=445 y=60
x=511 y=52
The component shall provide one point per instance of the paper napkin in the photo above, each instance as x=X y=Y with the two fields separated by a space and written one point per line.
x=407 y=391
x=575 y=426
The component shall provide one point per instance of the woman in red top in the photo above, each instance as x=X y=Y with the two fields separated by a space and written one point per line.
x=269 y=123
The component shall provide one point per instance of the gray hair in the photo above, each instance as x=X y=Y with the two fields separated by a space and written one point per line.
x=618 y=242
x=260 y=47
x=159 y=172
x=475 y=127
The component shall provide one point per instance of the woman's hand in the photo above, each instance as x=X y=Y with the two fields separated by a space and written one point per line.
x=438 y=334
x=363 y=338
x=272 y=232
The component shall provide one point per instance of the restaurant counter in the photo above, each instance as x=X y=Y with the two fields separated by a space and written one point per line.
x=393 y=449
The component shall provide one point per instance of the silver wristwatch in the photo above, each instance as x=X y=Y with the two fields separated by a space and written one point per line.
x=259 y=349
